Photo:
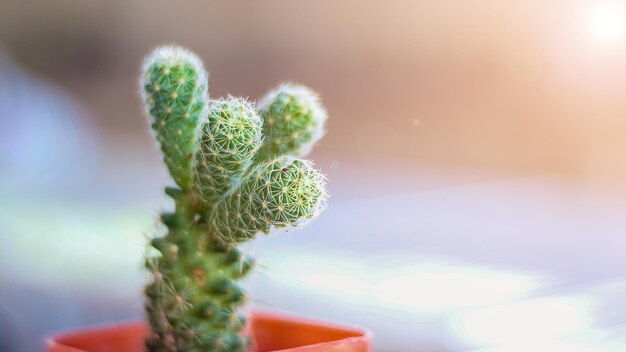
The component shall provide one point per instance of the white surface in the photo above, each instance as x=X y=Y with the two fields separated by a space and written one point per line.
x=504 y=264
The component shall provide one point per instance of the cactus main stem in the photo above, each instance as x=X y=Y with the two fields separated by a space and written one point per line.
x=193 y=295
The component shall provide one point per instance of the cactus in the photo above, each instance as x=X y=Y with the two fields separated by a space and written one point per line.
x=174 y=85
x=293 y=121
x=238 y=173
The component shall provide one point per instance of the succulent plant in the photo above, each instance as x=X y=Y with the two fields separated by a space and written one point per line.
x=237 y=173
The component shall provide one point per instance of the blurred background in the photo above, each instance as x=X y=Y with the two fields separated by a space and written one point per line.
x=476 y=153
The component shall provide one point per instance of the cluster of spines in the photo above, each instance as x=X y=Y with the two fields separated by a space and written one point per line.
x=238 y=175
x=230 y=139
x=174 y=86
x=277 y=194
x=293 y=121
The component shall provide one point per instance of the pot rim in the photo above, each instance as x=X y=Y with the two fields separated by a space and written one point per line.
x=358 y=334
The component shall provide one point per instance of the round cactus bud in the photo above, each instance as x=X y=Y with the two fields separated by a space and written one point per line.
x=174 y=88
x=281 y=193
x=293 y=120
x=230 y=138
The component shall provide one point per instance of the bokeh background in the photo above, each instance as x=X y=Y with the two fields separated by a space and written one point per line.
x=476 y=153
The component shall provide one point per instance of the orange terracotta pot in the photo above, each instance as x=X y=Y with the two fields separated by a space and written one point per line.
x=272 y=332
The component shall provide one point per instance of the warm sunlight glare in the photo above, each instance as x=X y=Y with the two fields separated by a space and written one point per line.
x=516 y=321
x=605 y=22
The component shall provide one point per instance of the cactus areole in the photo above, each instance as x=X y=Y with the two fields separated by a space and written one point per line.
x=237 y=173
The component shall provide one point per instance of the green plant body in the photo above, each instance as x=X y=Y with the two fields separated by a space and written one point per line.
x=238 y=173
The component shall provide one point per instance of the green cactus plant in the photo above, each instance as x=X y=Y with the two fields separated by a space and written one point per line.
x=238 y=174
